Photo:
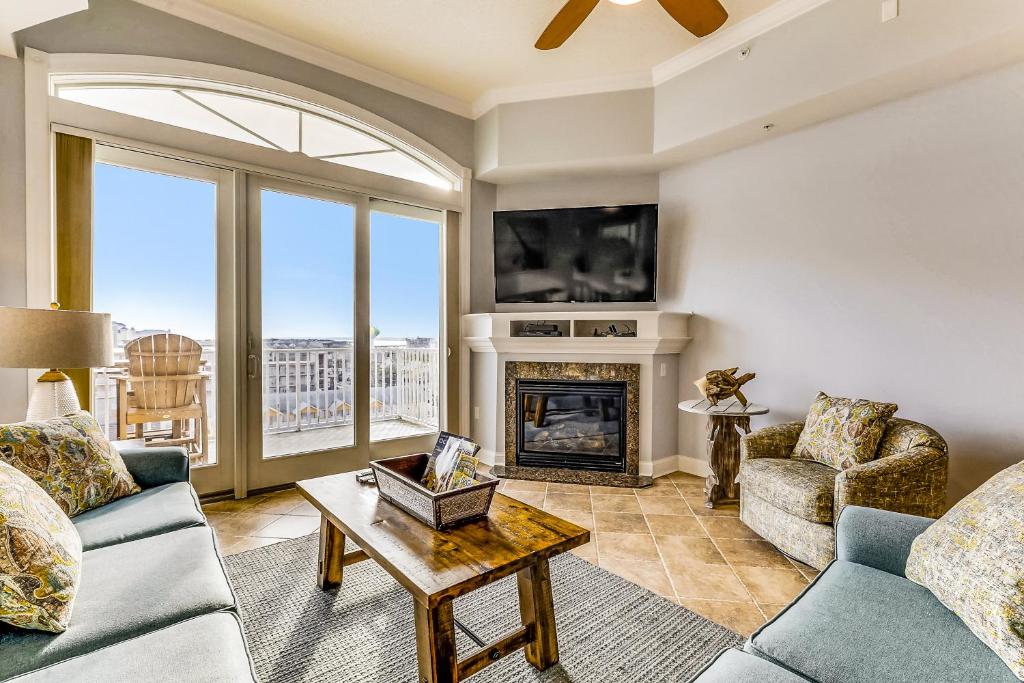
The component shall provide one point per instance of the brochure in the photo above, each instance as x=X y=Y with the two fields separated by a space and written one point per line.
x=452 y=465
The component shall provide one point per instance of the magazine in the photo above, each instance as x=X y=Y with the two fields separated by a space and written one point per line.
x=452 y=465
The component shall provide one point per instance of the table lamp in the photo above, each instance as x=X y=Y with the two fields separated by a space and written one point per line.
x=39 y=338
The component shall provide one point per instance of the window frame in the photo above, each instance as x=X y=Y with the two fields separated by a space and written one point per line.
x=46 y=115
x=77 y=78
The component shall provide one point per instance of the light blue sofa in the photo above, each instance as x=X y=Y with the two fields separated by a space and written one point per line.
x=154 y=603
x=863 y=621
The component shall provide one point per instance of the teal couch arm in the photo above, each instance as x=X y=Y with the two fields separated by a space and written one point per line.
x=877 y=538
x=156 y=466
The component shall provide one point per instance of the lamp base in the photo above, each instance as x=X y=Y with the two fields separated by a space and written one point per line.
x=52 y=396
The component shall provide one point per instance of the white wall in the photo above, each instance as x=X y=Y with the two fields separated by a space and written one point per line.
x=585 y=191
x=880 y=255
x=520 y=138
x=13 y=385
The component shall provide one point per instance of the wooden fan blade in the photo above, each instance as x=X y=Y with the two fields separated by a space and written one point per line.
x=565 y=23
x=699 y=17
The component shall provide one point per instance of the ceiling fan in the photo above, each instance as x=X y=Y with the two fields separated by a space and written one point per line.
x=699 y=17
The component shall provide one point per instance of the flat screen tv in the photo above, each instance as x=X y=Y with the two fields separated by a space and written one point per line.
x=592 y=254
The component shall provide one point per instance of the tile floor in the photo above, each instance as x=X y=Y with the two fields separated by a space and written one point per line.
x=662 y=538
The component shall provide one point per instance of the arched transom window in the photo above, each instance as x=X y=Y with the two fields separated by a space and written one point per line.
x=257 y=117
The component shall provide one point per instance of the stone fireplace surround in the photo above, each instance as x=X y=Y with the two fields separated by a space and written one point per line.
x=572 y=371
x=660 y=338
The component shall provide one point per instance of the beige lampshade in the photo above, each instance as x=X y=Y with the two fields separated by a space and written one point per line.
x=40 y=338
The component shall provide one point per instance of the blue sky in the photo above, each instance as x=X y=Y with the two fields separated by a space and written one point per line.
x=155 y=262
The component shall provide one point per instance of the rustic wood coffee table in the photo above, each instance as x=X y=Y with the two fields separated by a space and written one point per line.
x=439 y=566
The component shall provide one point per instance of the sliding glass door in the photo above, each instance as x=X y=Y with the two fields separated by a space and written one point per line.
x=405 y=321
x=301 y=327
x=307 y=255
x=160 y=247
x=343 y=338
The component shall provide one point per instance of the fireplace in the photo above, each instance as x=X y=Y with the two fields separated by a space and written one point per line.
x=577 y=423
x=571 y=424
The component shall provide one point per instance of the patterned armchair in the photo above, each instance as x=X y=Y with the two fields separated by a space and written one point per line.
x=794 y=504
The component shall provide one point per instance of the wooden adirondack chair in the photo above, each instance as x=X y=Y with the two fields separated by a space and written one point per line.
x=164 y=384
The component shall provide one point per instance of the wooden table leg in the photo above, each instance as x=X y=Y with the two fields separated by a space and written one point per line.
x=723 y=457
x=332 y=555
x=537 y=608
x=435 y=643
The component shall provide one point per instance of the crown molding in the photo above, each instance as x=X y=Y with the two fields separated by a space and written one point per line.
x=722 y=41
x=259 y=34
x=733 y=37
x=632 y=80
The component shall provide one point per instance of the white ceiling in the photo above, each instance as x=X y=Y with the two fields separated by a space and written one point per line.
x=466 y=49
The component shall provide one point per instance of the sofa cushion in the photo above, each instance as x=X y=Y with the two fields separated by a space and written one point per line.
x=127 y=590
x=842 y=432
x=859 y=624
x=800 y=487
x=972 y=560
x=70 y=458
x=154 y=511
x=40 y=556
x=207 y=648
x=736 y=666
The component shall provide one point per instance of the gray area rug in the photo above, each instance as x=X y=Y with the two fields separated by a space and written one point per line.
x=608 y=628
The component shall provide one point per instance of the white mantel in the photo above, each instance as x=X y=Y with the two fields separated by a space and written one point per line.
x=657 y=332
x=660 y=338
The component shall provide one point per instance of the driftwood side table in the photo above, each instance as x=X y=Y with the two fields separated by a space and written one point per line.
x=724 y=422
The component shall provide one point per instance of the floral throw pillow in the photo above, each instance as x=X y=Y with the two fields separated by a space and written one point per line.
x=70 y=458
x=40 y=556
x=972 y=560
x=842 y=432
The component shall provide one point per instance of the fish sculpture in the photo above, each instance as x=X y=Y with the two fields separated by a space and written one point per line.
x=721 y=384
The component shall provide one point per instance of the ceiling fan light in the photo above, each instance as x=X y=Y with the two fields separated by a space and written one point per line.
x=624 y=2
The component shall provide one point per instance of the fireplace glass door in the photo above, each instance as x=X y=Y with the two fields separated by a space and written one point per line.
x=571 y=425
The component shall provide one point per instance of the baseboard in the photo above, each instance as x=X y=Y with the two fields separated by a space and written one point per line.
x=691 y=465
x=661 y=466
x=489 y=457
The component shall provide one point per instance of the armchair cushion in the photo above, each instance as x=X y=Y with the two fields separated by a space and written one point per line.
x=776 y=441
x=843 y=432
x=972 y=560
x=800 y=487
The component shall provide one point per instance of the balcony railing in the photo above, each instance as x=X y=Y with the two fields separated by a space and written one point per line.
x=313 y=387
x=306 y=388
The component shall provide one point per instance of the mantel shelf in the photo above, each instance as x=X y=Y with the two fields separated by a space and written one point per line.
x=578 y=345
x=657 y=332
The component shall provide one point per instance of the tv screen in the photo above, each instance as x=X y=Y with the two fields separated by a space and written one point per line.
x=592 y=254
